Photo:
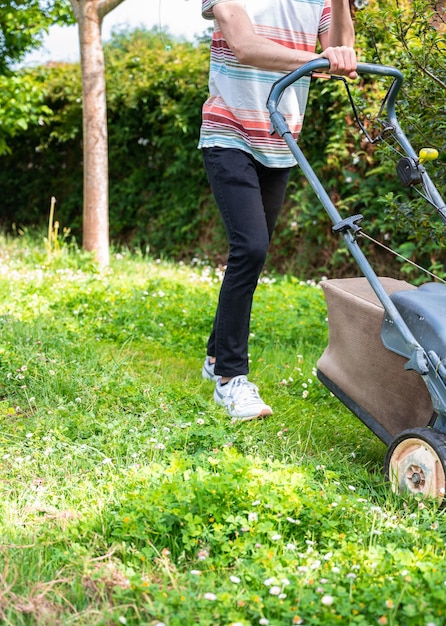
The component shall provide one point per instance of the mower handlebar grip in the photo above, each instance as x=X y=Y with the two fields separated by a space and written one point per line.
x=321 y=63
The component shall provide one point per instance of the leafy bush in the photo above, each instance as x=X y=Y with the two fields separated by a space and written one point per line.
x=359 y=177
x=155 y=91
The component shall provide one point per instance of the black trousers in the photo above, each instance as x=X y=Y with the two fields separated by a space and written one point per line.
x=249 y=197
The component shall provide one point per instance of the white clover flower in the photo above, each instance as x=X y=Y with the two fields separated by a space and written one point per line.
x=327 y=600
x=210 y=596
x=275 y=590
x=200 y=421
x=256 y=503
x=282 y=596
x=290 y=546
x=285 y=582
x=352 y=488
x=276 y=537
x=253 y=517
x=122 y=620
x=202 y=555
x=235 y=579
x=263 y=621
x=269 y=581
x=195 y=572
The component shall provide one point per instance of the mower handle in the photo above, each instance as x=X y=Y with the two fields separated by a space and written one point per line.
x=321 y=63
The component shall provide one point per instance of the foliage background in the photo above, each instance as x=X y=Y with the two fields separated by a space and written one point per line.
x=22 y=26
x=159 y=197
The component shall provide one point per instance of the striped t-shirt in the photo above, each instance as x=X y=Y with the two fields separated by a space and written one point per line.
x=235 y=114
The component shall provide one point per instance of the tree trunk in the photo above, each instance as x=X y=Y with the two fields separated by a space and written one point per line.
x=89 y=15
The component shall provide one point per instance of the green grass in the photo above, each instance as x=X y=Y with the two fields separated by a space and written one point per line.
x=128 y=497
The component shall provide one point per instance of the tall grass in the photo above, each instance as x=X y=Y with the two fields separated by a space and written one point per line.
x=129 y=497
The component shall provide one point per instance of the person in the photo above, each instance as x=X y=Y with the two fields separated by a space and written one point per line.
x=255 y=42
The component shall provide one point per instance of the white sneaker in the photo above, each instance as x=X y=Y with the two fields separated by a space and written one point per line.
x=241 y=399
x=208 y=371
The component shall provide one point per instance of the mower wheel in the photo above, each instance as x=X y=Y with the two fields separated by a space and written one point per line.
x=416 y=463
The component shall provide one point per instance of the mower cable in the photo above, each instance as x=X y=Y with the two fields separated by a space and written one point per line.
x=400 y=256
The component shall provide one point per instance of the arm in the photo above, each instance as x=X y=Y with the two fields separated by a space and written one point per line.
x=337 y=43
x=252 y=49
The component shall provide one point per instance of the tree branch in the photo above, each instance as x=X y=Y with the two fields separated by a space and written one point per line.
x=421 y=66
x=105 y=6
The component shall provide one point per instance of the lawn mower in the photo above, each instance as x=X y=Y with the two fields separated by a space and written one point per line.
x=386 y=353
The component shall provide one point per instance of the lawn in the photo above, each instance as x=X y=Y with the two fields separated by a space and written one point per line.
x=129 y=497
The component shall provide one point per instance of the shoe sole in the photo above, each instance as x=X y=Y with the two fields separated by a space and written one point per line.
x=264 y=413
